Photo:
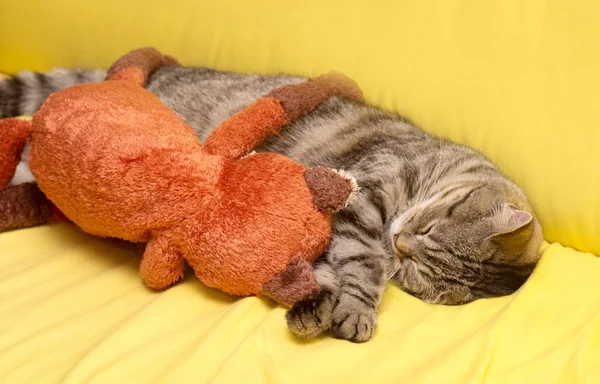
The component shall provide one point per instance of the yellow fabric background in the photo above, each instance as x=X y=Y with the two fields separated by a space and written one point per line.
x=73 y=310
x=517 y=79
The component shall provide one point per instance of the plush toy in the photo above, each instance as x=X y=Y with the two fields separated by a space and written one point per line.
x=118 y=163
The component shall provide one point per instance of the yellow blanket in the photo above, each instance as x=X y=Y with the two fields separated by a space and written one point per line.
x=73 y=310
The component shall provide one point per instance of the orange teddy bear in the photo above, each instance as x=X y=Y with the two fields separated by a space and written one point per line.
x=118 y=163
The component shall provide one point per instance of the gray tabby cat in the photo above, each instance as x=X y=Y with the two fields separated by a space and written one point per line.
x=436 y=218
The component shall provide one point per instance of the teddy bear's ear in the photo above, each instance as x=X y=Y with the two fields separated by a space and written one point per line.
x=332 y=190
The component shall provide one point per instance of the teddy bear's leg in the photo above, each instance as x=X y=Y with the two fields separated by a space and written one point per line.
x=162 y=263
x=13 y=136
x=24 y=206
x=296 y=282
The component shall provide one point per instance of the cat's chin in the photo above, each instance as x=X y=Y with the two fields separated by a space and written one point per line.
x=407 y=278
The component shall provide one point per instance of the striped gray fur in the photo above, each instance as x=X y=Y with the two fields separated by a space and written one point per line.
x=24 y=93
x=437 y=218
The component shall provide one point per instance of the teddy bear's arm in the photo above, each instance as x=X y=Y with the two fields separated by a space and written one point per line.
x=138 y=65
x=162 y=263
x=244 y=131
x=247 y=129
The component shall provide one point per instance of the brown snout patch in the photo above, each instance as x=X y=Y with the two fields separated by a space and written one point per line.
x=331 y=190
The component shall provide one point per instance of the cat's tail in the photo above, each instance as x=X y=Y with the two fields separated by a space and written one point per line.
x=23 y=93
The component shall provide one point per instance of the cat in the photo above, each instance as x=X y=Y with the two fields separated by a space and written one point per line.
x=436 y=218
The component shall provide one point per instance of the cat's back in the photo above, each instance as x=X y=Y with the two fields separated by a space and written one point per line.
x=379 y=147
x=340 y=130
x=204 y=97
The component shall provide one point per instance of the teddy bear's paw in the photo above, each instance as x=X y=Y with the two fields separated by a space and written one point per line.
x=310 y=318
x=354 y=323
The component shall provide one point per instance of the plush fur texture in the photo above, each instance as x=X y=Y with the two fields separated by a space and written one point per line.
x=259 y=121
x=12 y=143
x=329 y=192
x=292 y=284
x=24 y=206
x=137 y=65
x=143 y=176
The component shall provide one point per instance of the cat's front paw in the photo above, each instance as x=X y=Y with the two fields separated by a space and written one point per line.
x=354 y=322
x=310 y=318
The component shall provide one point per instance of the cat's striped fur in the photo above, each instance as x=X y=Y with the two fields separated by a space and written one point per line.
x=437 y=217
x=24 y=93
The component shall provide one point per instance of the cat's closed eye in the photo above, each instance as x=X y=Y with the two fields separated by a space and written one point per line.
x=426 y=229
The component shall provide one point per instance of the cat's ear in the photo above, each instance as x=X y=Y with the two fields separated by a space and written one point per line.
x=514 y=228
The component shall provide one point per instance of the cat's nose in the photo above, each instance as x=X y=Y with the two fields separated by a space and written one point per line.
x=401 y=243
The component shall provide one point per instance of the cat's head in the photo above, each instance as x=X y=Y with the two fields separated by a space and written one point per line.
x=467 y=241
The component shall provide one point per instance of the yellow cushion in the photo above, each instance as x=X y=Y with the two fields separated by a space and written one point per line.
x=518 y=80
x=73 y=310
